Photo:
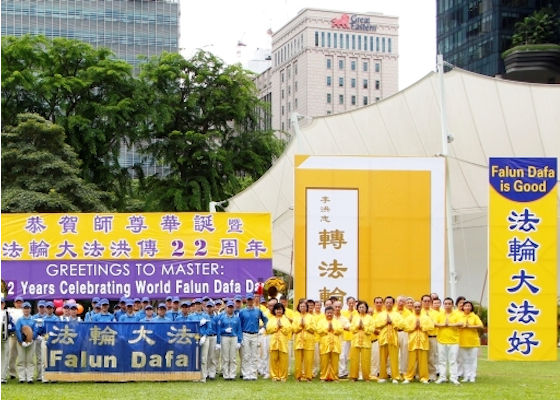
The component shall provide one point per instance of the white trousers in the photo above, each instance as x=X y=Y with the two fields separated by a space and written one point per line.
x=403 y=352
x=229 y=357
x=344 y=357
x=469 y=356
x=213 y=357
x=266 y=356
x=44 y=360
x=25 y=363
x=260 y=361
x=5 y=359
x=250 y=356
x=204 y=350
x=38 y=358
x=13 y=344
x=433 y=359
x=375 y=358
x=447 y=354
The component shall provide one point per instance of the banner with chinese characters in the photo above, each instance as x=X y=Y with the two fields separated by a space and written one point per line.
x=121 y=352
x=47 y=256
x=369 y=226
x=523 y=262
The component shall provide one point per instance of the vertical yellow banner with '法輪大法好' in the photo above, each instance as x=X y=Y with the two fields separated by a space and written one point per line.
x=523 y=259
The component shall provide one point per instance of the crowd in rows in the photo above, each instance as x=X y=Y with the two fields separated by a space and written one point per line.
x=394 y=340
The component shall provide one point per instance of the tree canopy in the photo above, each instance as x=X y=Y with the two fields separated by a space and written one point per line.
x=41 y=173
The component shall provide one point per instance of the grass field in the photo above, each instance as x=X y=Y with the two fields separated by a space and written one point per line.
x=496 y=380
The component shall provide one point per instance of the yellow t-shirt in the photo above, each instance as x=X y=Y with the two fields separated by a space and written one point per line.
x=448 y=334
x=347 y=335
x=469 y=337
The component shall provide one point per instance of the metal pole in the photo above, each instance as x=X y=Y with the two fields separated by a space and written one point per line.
x=449 y=215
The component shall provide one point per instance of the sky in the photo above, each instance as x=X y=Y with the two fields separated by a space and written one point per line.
x=218 y=25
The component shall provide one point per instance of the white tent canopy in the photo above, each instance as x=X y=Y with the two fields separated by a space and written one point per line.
x=488 y=117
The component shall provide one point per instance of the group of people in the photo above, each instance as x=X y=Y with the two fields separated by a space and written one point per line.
x=395 y=340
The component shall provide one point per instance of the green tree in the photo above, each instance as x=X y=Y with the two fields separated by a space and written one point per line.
x=538 y=28
x=203 y=121
x=85 y=90
x=41 y=173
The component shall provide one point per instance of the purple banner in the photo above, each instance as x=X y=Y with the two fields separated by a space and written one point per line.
x=133 y=278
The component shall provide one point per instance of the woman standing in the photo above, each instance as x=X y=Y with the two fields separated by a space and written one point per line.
x=303 y=328
x=329 y=330
x=279 y=329
x=469 y=342
x=362 y=328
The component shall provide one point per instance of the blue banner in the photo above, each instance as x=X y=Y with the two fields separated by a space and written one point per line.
x=122 y=351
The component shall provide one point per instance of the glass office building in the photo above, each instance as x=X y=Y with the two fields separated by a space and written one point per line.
x=128 y=27
x=473 y=34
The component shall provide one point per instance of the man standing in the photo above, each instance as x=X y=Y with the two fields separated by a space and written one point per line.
x=39 y=318
x=174 y=312
x=130 y=315
x=389 y=322
x=348 y=314
x=16 y=313
x=7 y=328
x=161 y=314
x=185 y=307
x=250 y=318
x=104 y=315
x=378 y=308
x=25 y=347
x=149 y=313
x=89 y=314
x=432 y=336
x=230 y=336
x=266 y=342
x=448 y=324
x=418 y=326
x=41 y=330
x=403 y=336
x=208 y=338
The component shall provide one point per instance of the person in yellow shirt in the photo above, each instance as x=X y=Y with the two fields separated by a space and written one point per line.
x=418 y=325
x=342 y=363
x=432 y=337
x=410 y=305
x=318 y=317
x=279 y=328
x=469 y=341
x=436 y=305
x=448 y=324
x=389 y=322
x=377 y=308
x=303 y=327
x=362 y=327
x=459 y=309
x=329 y=330
x=349 y=313
x=403 y=336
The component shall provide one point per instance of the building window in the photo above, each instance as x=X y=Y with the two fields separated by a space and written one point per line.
x=371 y=44
x=365 y=84
x=341 y=64
x=289 y=123
x=377 y=67
x=295 y=86
x=347 y=41
x=353 y=82
x=359 y=42
x=376 y=99
x=365 y=42
x=282 y=77
x=295 y=68
x=329 y=112
x=377 y=85
x=328 y=98
x=353 y=42
x=289 y=72
x=289 y=107
x=289 y=90
x=341 y=82
x=322 y=39
x=365 y=101
x=365 y=66
x=340 y=99
x=282 y=126
x=335 y=36
x=282 y=110
x=328 y=80
x=328 y=63
x=329 y=39
x=353 y=99
x=282 y=93
x=316 y=38
x=389 y=45
x=383 y=45
x=341 y=41
x=295 y=103
x=377 y=44
x=353 y=65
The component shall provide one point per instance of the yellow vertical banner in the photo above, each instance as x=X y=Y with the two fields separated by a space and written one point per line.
x=368 y=226
x=523 y=260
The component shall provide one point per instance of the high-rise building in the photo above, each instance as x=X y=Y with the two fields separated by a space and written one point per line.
x=473 y=34
x=128 y=27
x=327 y=62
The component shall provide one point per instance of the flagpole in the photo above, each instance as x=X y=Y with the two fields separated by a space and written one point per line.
x=446 y=138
